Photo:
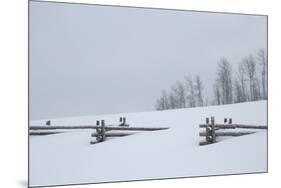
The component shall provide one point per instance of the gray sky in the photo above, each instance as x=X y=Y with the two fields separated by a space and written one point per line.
x=89 y=60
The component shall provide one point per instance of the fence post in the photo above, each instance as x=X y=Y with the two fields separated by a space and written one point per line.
x=103 y=130
x=100 y=131
x=48 y=122
x=207 y=130
x=124 y=121
x=225 y=120
x=213 y=129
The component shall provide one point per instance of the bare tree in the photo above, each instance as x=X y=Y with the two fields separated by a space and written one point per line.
x=257 y=89
x=249 y=65
x=172 y=101
x=177 y=98
x=190 y=91
x=238 y=93
x=199 y=89
x=262 y=58
x=242 y=81
x=163 y=102
x=159 y=104
x=180 y=94
x=217 y=93
x=224 y=80
x=165 y=99
x=206 y=102
x=240 y=90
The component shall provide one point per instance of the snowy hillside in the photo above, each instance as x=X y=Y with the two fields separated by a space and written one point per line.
x=68 y=158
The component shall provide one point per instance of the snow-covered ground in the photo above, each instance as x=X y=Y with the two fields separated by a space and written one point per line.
x=68 y=158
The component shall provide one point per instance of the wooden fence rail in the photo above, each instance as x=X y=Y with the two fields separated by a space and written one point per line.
x=113 y=134
x=61 y=127
x=227 y=133
x=234 y=126
x=96 y=127
x=35 y=133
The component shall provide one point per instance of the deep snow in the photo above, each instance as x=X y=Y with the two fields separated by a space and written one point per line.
x=68 y=158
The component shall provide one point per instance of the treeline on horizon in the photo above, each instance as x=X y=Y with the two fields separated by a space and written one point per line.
x=242 y=85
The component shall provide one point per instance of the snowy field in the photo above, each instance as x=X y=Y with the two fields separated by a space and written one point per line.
x=68 y=158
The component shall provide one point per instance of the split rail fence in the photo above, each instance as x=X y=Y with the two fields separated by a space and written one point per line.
x=101 y=130
x=211 y=130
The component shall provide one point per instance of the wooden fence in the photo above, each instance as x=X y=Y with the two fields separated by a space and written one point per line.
x=211 y=129
x=101 y=129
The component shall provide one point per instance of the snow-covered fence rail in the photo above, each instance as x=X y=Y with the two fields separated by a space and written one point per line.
x=61 y=127
x=234 y=126
x=210 y=130
x=228 y=133
x=109 y=128
x=113 y=134
x=44 y=133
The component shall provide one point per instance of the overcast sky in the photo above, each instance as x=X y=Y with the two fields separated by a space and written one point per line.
x=89 y=60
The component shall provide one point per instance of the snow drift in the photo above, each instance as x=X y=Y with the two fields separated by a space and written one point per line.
x=68 y=158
